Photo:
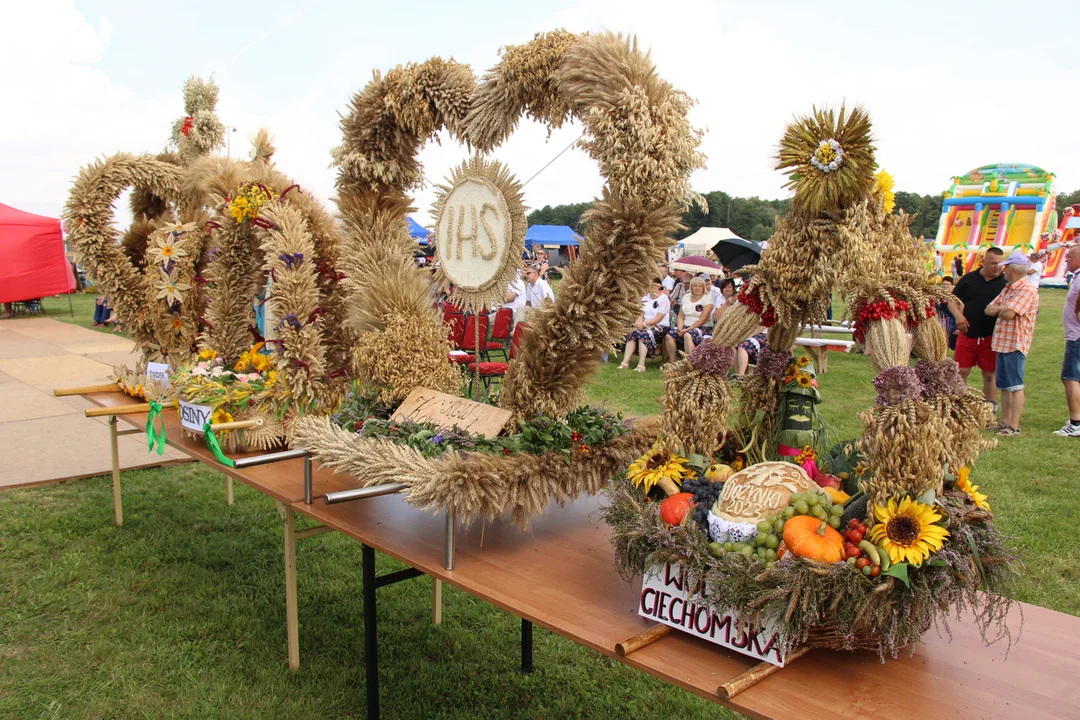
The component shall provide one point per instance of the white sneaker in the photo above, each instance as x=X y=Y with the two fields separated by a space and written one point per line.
x=1068 y=430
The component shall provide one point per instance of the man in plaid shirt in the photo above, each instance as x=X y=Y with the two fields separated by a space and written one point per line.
x=1015 y=309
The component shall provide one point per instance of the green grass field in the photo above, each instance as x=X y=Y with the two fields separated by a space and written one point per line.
x=181 y=612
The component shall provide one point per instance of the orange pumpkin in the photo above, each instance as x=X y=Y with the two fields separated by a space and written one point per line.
x=810 y=538
x=675 y=507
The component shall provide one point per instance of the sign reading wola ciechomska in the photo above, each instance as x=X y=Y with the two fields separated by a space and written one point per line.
x=479 y=233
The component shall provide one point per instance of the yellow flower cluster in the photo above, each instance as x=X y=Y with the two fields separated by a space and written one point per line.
x=808 y=453
x=963 y=481
x=253 y=359
x=249 y=201
x=208 y=354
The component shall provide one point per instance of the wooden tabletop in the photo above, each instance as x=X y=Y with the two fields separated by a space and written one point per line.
x=560 y=576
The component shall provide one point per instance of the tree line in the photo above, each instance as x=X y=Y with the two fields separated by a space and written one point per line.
x=755 y=219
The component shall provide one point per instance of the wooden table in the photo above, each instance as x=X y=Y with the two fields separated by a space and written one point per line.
x=561 y=577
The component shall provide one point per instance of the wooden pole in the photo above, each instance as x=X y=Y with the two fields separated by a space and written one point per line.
x=111 y=387
x=235 y=425
x=228 y=490
x=642 y=639
x=754 y=675
x=118 y=506
x=292 y=622
x=123 y=409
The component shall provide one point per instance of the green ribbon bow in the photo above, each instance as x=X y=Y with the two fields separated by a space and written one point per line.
x=215 y=447
x=155 y=436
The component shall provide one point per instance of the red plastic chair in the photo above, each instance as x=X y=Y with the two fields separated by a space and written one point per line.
x=468 y=338
x=500 y=333
x=490 y=370
x=456 y=320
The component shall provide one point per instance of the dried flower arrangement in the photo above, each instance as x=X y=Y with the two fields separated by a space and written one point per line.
x=904 y=539
x=637 y=130
x=209 y=235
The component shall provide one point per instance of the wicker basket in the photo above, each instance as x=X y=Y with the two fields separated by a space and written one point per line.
x=829 y=637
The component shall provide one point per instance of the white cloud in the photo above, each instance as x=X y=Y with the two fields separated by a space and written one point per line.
x=60 y=111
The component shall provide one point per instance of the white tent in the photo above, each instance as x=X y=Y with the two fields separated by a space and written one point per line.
x=703 y=240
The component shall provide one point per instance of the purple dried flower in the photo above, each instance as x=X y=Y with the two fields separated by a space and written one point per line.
x=711 y=358
x=437 y=439
x=940 y=377
x=291 y=259
x=896 y=385
x=773 y=363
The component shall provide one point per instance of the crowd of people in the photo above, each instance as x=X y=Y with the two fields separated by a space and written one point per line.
x=679 y=313
x=990 y=320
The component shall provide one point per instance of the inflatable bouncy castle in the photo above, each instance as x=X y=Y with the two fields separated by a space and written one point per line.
x=1009 y=205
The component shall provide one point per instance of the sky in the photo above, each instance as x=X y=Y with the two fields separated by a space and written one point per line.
x=949 y=86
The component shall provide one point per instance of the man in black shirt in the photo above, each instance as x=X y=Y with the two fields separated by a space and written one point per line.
x=976 y=290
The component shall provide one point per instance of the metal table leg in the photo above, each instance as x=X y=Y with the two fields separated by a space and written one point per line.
x=371 y=637
x=526 y=646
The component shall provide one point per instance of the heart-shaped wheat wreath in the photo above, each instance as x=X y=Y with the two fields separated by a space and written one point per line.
x=635 y=126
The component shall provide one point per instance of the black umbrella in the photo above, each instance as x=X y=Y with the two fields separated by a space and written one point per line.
x=734 y=253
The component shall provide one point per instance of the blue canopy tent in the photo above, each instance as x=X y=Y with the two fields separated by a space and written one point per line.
x=559 y=241
x=418 y=231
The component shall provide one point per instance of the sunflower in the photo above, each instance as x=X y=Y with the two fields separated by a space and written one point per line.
x=883 y=188
x=804 y=380
x=907 y=531
x=803 y=361
x=963 y=481
x=660 y=467
x=221 y=416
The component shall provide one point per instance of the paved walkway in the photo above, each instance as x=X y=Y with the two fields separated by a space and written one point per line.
x=46 y=439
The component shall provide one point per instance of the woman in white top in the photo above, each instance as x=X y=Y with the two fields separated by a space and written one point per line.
x=727 y=299
x=650 y=325
x=695 y=311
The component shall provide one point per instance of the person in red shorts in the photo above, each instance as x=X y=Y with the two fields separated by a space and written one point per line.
x=976 y=290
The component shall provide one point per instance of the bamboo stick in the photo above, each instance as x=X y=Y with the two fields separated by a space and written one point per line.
x=124 y=409
x=754 y=675
x=235 y=425
x=642 y=639
x=111 y=387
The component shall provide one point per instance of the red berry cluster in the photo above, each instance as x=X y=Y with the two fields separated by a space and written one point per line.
x=751 y=298
x=188 y=125
x=877 y=310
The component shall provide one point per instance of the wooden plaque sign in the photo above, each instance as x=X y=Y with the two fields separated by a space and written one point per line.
x=666 y=597
x=446 y=411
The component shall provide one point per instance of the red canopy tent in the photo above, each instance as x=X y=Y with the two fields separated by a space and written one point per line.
x=32 y=259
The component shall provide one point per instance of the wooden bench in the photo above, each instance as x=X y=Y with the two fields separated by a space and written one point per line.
x=818 y=349
x=816 y=330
